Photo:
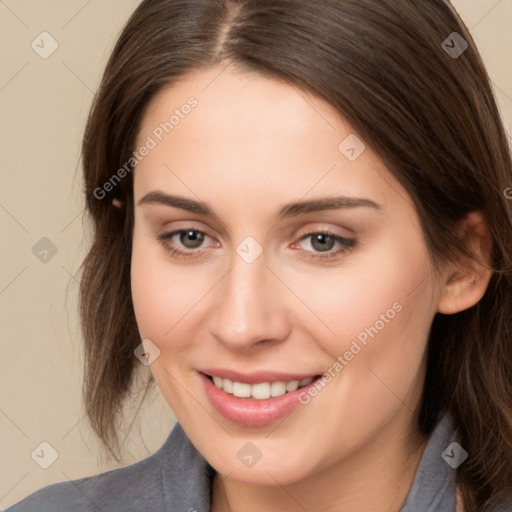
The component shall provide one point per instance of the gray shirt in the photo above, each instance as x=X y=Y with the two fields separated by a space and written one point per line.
x=177 y=478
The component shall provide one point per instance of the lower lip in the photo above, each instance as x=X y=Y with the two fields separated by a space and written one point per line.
x=252 y=413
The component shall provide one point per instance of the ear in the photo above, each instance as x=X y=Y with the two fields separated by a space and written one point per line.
x=464 y=283
x=117 y=203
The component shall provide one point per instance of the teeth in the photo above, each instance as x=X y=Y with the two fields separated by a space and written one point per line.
x=292 y=385
x=241 y=389
x=228 y=386
x=277 y=388
x=260 y=391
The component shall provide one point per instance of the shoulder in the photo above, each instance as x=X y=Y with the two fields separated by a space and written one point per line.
x=113 y=490
x=59 y=497
x=153 y=483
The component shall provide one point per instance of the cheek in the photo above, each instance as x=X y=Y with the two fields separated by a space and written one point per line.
x=156 y=292
x=166 y=297
x=383 y=289
x=379 y=308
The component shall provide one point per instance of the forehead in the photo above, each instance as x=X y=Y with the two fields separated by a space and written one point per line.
x=235 y=96
x=245 y=133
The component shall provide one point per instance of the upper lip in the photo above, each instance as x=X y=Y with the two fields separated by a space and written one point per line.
x=255 y=377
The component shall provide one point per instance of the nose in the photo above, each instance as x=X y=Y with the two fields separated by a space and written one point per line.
x=251 y=306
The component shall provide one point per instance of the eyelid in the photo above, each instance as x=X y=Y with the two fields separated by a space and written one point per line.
x=299 y=233
x=324 y=228
x=347 y=244
x=185 y=226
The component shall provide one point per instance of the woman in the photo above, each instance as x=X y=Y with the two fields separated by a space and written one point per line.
x=303 y=227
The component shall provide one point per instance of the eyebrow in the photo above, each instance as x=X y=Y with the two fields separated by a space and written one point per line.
x=293 y=209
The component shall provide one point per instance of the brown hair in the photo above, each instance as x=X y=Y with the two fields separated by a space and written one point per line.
x=430 y=116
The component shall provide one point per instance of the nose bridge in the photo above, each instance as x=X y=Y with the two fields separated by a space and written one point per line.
x=249 y=309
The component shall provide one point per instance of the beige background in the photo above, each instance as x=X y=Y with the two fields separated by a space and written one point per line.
x=43 y=106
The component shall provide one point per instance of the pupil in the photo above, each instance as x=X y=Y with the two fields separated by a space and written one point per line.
x=193 y=236
x=321 y=238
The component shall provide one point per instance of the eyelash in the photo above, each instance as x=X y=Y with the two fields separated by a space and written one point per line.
x=348 y=244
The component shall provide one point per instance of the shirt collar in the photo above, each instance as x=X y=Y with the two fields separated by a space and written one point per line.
x=187 y=476
x=433 y=487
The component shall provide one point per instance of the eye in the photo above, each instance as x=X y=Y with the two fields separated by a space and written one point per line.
x=324 y=241
x=190 y=238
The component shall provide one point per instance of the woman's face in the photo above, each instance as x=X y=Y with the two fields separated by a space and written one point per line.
x=250 y=295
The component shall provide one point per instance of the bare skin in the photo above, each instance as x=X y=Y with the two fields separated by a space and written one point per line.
x=249 y=146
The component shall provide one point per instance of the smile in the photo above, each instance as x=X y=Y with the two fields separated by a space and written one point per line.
x=261 y=390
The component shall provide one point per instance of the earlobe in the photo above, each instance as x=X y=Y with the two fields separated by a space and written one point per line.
x=466 y=282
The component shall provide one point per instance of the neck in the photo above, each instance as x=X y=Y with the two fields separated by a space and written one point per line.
x=376 y=477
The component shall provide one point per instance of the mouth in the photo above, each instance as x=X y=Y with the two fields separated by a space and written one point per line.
x=261 y=390
x=255 y=404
